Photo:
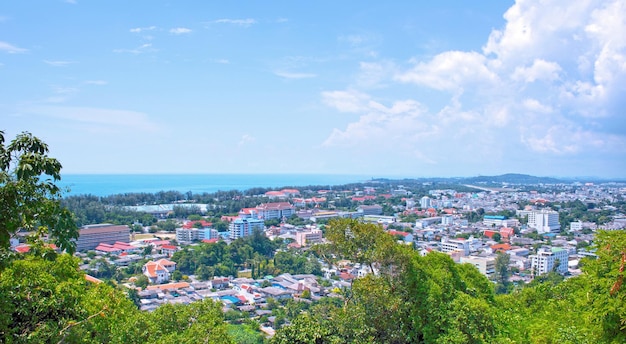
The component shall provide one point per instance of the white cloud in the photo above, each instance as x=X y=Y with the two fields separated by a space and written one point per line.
x=246 y=139
x=289 y=75
x=450 y=71
x=221 y=61
x=240 y=22
x=96 y=82
x=539 y=70
x=551 y=81
x=346 y=101
x=143 y=29
x=535 y=106
x=144 y=48
x=58 y=63
x=180 y=30
x=11 y=49
x=108 y=119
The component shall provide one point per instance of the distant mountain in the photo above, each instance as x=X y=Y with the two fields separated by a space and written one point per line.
x=512 y=178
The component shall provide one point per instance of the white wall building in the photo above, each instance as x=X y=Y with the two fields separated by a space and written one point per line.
x=244 y=227
x=544 y=221
x=308 y=238
x=425 y=202
x=547 y=258
x=486 y=265
x=450 y=245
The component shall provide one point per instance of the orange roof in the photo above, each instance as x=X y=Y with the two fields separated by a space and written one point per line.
x=92 y=279
x=177 y=285
x=153 y=267
x=210 y=241
x=501 y=247
x=404 y=234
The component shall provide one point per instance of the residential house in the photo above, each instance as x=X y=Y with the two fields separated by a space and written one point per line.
x=159 y=271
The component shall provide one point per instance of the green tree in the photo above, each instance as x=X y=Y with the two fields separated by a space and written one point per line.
x=29 y=198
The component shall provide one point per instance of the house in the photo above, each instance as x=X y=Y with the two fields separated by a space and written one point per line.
x=169 y=250
x=159 y=271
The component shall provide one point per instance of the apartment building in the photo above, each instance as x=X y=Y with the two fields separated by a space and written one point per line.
x=90 y=236
x=544 y=221
x=549 y=259
x=308 y=238
x=244 y=227
x=486 y=265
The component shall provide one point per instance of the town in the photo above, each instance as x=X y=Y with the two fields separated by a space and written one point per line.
x=263 y=264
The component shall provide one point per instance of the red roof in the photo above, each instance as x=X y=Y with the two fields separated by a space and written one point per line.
x=169 y=247
x=203 y=223
x=210 y=241
x=25 y=247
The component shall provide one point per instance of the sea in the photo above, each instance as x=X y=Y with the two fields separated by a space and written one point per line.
x=113 y=184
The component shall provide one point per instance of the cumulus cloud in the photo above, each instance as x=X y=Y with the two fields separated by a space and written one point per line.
x=180 y=30
x=550 y=83
x=10 y=48
x=451 y=71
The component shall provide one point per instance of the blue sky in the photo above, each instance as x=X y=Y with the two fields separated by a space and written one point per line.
x=403 y=88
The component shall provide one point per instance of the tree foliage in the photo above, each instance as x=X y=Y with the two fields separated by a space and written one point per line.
x=29 y=197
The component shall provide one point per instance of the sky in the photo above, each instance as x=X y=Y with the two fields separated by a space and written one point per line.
x=401 y=88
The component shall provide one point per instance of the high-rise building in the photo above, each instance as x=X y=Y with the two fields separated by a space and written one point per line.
x=243 y=227
x=425 y=202
x=544 y=221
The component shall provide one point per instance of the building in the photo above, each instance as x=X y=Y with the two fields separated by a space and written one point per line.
x=549 y=259
x=208 y=234
x=450 y=245
x=308 y=238
x=544 y=221
x=187 y=235
x=576 y=226
x=244 y=227
x=370 y=209
x=90 y=236
x=279 y=210
x=159 y=271
x=447 y=220
x=486 y=265
x=425 y=202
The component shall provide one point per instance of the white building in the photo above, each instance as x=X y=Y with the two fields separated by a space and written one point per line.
x=544 y=221
x=450 y=245
x=425 y=202
x=243 y=227
x=576 y=226
x=447 y=220
x=486 y=265
x=187 y=235
x=308 y=238
x=159 y=271
x=547 y=258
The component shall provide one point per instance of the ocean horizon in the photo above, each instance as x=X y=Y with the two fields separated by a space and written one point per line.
x=113 y=184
